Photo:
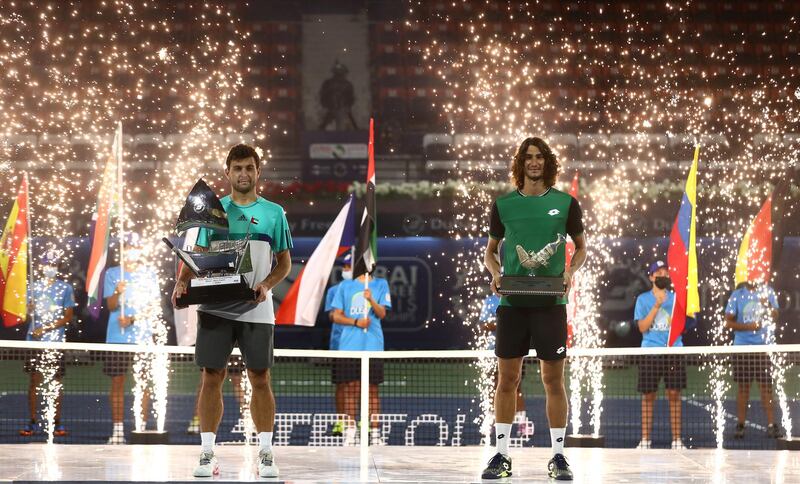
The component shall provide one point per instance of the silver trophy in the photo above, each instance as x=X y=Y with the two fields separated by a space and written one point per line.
x=219 y=272
x=533 y=285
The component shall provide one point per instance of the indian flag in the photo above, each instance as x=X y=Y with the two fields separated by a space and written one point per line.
x=107 y=201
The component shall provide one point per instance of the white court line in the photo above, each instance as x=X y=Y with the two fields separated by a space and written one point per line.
x=727 y=414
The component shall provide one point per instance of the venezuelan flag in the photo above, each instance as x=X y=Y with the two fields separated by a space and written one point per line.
x=14 y=261
x=682 y=257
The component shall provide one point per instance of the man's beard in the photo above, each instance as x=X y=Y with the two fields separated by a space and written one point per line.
x=243 y=190
x=533 y=178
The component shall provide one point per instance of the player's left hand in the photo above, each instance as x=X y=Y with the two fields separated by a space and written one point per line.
x=261 y=290
x=567 y=282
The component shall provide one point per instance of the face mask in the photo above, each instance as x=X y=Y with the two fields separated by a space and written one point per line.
x=49 y=272
x=347 y=275
x=662 y=282
x=133 y=255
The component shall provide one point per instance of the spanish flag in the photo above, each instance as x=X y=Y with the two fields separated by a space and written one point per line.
x=754 y=262
x=14 y=261
x=682 y=257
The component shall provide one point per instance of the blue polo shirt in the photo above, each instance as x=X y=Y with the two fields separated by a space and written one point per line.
x=350 y=299
x=746 y=307
x=658 y=334
x=141 y=290
x=50 y=303
x=336 y=329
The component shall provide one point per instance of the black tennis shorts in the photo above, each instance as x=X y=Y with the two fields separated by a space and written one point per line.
x=35 y=361
x=520 y=328
x=217 y=336
x=345 y=370
x=654 y=368
x=748 y=367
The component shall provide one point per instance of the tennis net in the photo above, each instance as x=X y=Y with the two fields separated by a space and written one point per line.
x=438 y=398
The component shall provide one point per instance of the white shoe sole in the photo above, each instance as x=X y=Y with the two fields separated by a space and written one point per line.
x=206 y=471
x=268 y=471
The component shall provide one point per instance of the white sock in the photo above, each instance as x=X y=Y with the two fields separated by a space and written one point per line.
x=375 y=432
x=265 y=440
x=557 y=440
x=207 y=441
x=502 y=432
x=521 y=416
x=118 y=429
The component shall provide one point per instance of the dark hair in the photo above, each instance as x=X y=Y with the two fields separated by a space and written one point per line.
x=240 y=152
x=551 y=166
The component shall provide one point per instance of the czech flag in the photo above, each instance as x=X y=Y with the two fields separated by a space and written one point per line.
x=682 y=257
x=301 y=304
x=14 y=261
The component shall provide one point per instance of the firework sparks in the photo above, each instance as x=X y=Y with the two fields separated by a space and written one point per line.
x=635 y=101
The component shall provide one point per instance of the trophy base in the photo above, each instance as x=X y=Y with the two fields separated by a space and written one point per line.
x=150 y=437
x=788 y=443
x=216 y=290
x=531 y=286
x=585 y=440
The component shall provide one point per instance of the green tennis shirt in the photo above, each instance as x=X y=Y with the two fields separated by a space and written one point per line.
x=533 y=222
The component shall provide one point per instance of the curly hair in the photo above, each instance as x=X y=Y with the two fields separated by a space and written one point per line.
x=551 y=165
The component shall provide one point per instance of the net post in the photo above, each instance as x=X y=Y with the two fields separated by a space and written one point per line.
x=365 y=423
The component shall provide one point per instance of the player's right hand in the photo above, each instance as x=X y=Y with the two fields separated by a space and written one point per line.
x=120 y=288
x=180 y=289
x=363 y=323
x=496 y=284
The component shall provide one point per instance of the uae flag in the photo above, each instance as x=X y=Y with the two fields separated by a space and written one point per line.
x=14 y=261
x=301 y=304
x=366 y=254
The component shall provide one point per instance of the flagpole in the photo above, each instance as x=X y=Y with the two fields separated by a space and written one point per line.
x=121 y=206
x=29 y=250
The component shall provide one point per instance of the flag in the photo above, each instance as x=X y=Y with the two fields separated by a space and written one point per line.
x=301 y=304
x=366 y=255
x=107 y=199
x=569 y=252
x=754 y=262
x=682 y=256
x=14 y=261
